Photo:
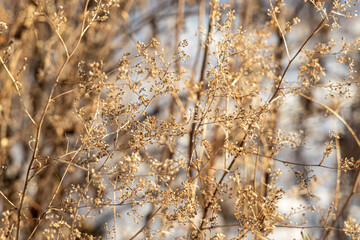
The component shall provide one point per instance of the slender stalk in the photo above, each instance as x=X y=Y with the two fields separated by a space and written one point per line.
x=42 y=118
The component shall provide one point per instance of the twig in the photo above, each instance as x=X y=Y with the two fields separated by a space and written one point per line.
x=336 y=114
x=322 y=23
x=64 y=93
x=8 y=200
x=147 y=223
x=17 y=90
x=198 y=95
x=292 y=163
x=206 y=209
x=39 y=126
x=345 y=206
x=338 y=156
x=281 y=31
x=57 y=33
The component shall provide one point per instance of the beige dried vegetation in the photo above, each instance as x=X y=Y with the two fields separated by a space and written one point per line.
x=114 y=125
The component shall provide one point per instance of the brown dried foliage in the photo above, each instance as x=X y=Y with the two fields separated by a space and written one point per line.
x=114 y=124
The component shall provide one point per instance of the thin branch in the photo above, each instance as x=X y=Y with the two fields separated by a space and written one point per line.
x=338 y=157
x=322 y=23
x=64 y=93
x=292 y=163
x=206 y=209
x=147 y=223
x=198 y=95
x=8 y=200
x=345 y=206
x=17 y=90
x=280 y=30
x=278 y=226
x=39 y=126
x=336 y=114
x=57 y=33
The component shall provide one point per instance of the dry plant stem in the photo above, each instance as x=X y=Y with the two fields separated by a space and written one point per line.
x=196 y=132
x=17 y=90
x=338 y=156
x=269 y=150
x=229 y=166
x=346 y=204
x=48 y=207
x=179 y=25
x=64 y=93
x=54 y=194
x=8 y=200
x=202 y=8
x=281 y=31
x=39 y=126
x=175 y=98
x=180 y=20
x=114 y=207
x=322 y=23
x=206 y=209
x=336 y=114
x=4 y=125
x=76 y=212
x=272 y=124
x=198 y=96
x=279 y=226
x=147 y=223
x=64 y=161
x=292 y=163
x=341 y=212
x=256 y=163
x=57 y=33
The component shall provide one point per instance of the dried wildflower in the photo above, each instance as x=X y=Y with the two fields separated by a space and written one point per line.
x=134 y=120
x=351 y=228
x=3 y=27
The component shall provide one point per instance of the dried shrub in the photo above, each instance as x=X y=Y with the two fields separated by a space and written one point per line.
x=116 y=123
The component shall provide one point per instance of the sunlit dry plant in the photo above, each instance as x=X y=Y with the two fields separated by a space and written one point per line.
x=178 y=119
